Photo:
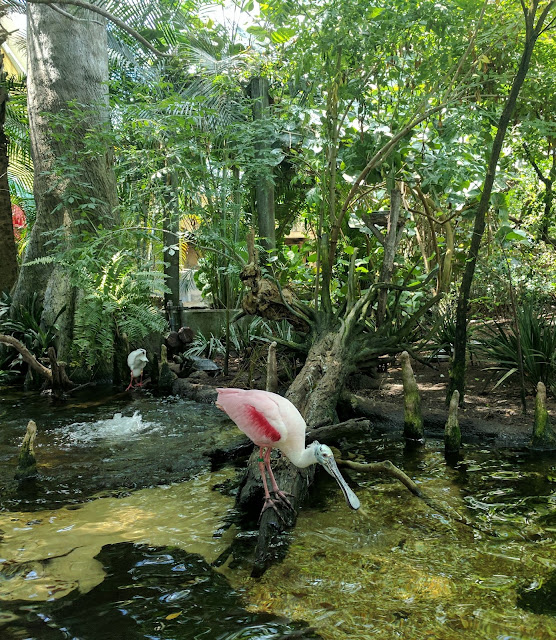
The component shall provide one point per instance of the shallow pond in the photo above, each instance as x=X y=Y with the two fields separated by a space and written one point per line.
x=135 y=563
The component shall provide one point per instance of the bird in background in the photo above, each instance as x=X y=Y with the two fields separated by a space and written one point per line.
x=272 y=421
x=136 y=361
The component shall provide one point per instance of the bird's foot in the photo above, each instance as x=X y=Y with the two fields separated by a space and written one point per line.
x=129 y=386
x=270 y=503
x=283 y=497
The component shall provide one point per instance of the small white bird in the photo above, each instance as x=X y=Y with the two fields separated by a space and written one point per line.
x=136 y=361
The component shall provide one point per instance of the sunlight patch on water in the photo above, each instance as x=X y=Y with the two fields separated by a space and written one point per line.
x=45 y=555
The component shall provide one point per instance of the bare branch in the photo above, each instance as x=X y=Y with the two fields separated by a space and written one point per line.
x=68 y=15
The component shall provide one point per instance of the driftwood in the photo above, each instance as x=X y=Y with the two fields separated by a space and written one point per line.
x=56 y=377
x=383 y=467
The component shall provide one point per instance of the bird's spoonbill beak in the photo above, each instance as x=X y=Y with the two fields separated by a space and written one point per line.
x=325 y=457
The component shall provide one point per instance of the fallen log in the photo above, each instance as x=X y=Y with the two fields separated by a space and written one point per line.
x=27 y=357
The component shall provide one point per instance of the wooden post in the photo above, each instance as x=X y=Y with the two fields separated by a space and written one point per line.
x=413 y=418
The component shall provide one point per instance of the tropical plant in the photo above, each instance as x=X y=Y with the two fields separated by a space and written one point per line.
x=116 y=299
x=24 y=323
x=537 y=330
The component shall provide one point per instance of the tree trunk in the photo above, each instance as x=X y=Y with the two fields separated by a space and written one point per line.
x=264 y=187
x=457 y=373
x=317 y=388
x=171 y=238
x=67 y=70
x=8 y=252
x=390 y=246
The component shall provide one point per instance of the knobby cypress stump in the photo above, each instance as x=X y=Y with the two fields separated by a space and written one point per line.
x=543 y=433
x=27 y=463
x=452 y=432
x=413 y=428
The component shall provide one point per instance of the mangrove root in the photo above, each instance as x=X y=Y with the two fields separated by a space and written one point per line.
x=272 y=369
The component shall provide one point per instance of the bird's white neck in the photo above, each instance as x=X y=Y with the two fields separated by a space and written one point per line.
x=303 y=458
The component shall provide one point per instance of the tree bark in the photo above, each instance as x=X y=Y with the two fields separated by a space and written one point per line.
x=457 y=373
x=171 y=238
x=8 y=252
x=264 y=186
x=390 y=246
x=67 y=69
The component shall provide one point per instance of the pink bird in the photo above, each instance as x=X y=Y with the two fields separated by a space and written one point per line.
x=272 y=421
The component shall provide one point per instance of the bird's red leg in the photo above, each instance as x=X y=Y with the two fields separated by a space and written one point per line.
x=268 y=501
x=140 y=383
x=130 y=385
x=275 y=489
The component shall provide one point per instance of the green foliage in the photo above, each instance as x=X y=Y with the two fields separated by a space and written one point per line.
x=537 y=328
x=115 y=299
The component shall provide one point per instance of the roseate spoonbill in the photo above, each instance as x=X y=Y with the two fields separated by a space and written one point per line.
x=136 y=361
x=272 y=421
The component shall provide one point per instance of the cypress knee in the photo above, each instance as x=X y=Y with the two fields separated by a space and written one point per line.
x=413 y=418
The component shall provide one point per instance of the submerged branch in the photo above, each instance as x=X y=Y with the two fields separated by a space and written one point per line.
x=383 y=467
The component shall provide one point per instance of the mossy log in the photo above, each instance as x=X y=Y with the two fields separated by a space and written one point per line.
x=27 y=462
x=543 y=433
x=413 y=417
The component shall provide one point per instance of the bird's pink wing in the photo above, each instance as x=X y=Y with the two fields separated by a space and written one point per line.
x=256 y=413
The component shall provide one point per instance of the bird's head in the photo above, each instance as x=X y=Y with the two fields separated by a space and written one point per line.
x=325 y=457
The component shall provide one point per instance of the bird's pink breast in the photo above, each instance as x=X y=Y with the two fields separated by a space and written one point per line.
x=262 y=425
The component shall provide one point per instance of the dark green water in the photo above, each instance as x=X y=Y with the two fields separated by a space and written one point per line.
x=135 y=563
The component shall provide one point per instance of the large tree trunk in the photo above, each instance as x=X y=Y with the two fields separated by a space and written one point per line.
x=67 y=68
x=317 y=388
x=8 y=253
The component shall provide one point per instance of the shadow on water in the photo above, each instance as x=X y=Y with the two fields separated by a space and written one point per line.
x=150 y=593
